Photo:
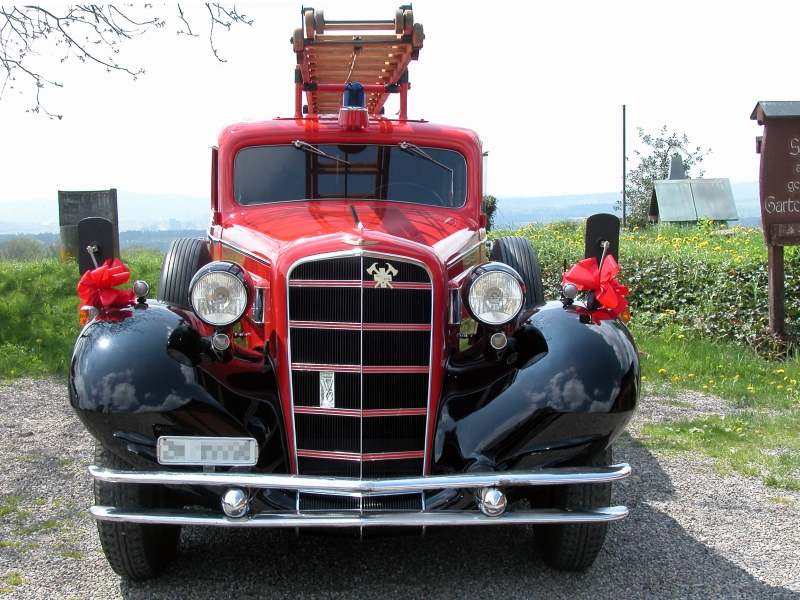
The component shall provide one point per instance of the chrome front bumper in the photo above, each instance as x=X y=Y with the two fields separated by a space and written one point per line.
x=364 y=488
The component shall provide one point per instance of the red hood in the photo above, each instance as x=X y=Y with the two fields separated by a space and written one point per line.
x=268 y=231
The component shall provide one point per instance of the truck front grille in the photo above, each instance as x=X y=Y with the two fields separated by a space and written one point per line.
x=364 y=324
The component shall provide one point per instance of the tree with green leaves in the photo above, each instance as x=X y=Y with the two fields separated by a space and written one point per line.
x=654 y=158
x=489 y=207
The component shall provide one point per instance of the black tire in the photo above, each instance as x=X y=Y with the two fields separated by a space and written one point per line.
x=184 y=257
x=574 y=547
x=518 y=254
x=134 y=551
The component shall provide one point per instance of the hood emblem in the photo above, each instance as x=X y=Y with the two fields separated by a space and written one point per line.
x=354 y=241
x=383 y=275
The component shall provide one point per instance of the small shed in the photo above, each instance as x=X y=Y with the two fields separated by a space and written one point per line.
x=689 y=200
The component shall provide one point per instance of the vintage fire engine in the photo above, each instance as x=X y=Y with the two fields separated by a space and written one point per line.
x=346 y=349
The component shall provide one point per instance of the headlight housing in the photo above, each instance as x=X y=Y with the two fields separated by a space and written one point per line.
x=219 y=293
x=495 y=293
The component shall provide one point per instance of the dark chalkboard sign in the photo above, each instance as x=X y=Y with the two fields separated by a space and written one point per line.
x=73 y=206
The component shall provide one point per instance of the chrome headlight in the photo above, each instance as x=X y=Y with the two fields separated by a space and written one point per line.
x=218 y=293
x=495 y=294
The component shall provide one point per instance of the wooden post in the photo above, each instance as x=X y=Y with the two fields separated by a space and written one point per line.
x=777 y=312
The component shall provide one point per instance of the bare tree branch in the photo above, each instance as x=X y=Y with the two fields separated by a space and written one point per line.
x=224 y=18
x=185 y=22
x=91 y=33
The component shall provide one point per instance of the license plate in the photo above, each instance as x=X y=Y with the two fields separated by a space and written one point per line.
x=206 y=451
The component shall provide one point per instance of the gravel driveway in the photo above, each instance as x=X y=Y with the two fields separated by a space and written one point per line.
x=691 y=533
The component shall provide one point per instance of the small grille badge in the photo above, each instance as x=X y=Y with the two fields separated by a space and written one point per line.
x=382 y=275
x=327 y=390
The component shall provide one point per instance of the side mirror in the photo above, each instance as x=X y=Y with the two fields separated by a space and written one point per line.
x=95 y=240
x=601 y=228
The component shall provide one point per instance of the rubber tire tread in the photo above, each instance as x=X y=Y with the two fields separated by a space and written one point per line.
x=517 y=253
x=574 y=547
x=133 y=550
x=184 y=257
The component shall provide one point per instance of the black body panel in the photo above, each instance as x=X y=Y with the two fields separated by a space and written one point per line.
x=142 y=372
x=562 y=390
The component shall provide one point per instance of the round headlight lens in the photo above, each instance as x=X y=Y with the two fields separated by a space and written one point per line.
x=495 y=297
x=218 y=297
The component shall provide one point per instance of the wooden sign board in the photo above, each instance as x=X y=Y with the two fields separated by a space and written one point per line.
x=779 y=187
x=779 y=173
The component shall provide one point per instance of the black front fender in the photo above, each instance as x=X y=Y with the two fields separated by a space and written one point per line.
x=141 y=372
x=564 y=387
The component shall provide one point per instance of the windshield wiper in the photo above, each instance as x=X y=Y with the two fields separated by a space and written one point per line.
x=306 y=147
x=417 y=151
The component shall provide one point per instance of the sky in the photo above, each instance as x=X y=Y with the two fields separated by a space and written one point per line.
x=541 y=82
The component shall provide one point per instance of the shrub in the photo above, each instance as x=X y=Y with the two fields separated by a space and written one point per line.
x=709 y=281
x=22 y=248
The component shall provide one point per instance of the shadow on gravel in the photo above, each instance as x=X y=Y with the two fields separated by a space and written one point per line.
x=648 y=554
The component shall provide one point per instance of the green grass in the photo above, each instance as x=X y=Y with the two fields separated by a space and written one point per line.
x=10 y=506
x=752 y=444
x=761 y=438
x=11 y=580
x=39 y=312
x=671 y=359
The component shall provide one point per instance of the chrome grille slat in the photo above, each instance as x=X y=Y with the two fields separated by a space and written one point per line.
x=381 y=381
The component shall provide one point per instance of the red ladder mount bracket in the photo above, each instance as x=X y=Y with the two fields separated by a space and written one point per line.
x=375 y=53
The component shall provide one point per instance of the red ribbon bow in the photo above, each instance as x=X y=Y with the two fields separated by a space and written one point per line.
x=96 y=287
x=587 y=276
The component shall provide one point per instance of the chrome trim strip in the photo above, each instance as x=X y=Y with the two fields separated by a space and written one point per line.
x=455 y=307
x=358 y=456
x=339 y=283
x=461 y=255
x=358 y=326
x=358 y=368
x=321 y=367
x=401 y=285
x=559 y=476
x=322 y=283
x=258 y=306
x=240 y=250
x=356 y=412
x=388 y=519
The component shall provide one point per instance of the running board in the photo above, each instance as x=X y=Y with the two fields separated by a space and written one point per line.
x=331 y=519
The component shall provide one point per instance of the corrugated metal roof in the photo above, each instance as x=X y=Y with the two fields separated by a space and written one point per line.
x=687 y=200
x=713 y=199
x=776 y=109
x=675 y=202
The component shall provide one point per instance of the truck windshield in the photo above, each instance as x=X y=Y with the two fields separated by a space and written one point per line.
x=302 y=171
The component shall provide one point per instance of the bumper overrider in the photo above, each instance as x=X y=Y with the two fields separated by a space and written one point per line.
x=489 y=507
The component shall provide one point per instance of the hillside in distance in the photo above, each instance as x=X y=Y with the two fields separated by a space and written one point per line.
x=515 y=212
x=153 y=213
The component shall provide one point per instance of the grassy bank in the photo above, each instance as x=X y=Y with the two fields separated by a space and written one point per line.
x=39 y=312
